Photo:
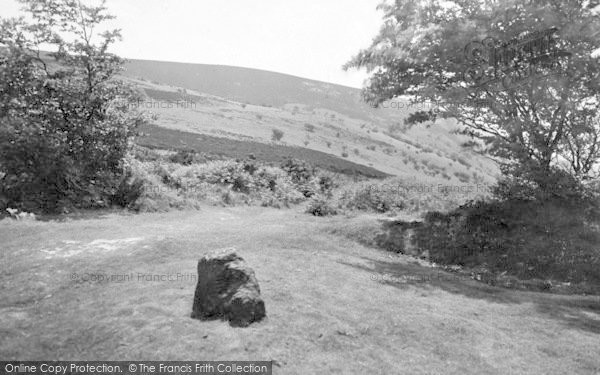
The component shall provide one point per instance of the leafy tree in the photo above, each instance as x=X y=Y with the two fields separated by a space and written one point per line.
x=536 y=114
x=65 y=121
x=277 y=135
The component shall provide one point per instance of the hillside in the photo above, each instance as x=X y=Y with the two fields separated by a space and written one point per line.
x=254 y=86
x=246 y=105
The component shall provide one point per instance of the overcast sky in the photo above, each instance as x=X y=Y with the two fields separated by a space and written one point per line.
x=306 y=38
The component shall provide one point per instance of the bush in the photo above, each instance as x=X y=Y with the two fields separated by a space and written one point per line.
x=241 y=184
x=309 y=128
x=462 y=177
x=553 y=185
x=129 y=190
x=184 y=157
x=321 y=207
x=528 y=239
x=395 y=194
x=326 y=184
x=277 y=135
x=374 y=198
x=145 y=154
x=144 y=189
x=300 y=171
x=247 y=181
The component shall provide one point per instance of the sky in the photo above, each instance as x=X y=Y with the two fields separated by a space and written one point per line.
x=305 y=38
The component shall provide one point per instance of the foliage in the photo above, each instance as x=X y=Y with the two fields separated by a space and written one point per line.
x=326 y=184
x=299 y=170
x=528 y=239
x=162 y=185
x=65 y=124
x=563 y=188
x=320 y=206
x=397 y=194
x=371 y=198
x=533 y=113
x=185 y=157
x=129 y=190
x=277 y=135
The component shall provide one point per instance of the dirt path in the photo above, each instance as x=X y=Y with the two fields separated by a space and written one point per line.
x=84 y=289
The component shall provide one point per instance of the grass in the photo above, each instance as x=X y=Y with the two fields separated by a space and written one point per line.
x=333 y=305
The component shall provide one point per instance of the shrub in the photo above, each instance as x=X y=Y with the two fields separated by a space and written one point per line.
x=250 y=167
x=185 y=157
x=462 y=177
x=552 y=185
x=321 y=207
x=528 y=239
x=129 y=190
x=241 y=184
x=463 y=161
x=374 y=198
x=395 y=194
x=299 y=170
x=145 y=191
x=277 y=135
x=145 y=154
x=326 y=184
x=249 y=182
x=309 y=128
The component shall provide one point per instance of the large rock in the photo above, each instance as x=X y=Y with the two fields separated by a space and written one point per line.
x=227 y=289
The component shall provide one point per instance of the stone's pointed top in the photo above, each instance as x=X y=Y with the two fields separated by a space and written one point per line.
x=226 y=254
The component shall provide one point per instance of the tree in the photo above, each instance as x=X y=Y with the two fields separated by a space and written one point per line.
x=500 y=69
x=65 y=120
x=277 y=135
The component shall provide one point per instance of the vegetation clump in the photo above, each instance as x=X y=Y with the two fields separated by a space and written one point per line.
x=65 y=120
x=277 y=135
x=321 y=206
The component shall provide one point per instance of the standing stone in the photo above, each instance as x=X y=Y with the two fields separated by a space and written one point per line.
x=227 y=289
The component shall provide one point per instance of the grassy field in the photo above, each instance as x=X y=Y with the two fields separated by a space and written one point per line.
x=79 y=290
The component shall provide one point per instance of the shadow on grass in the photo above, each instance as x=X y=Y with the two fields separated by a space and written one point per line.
x=575 y=311
x=86 y=214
